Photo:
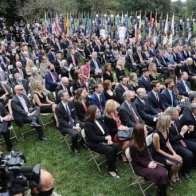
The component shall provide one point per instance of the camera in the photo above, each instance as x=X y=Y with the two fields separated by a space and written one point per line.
x=14 y=176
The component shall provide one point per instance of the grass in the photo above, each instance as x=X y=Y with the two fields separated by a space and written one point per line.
x=75 y=177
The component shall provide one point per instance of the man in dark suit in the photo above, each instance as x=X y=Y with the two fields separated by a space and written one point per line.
x=95 y=65
x=179 y=55
x=20 y=69
x=183 y=85
x=139 y=57
x=24 y=113
x=68 y=120
x=128 y=112
x=189 y=118
x=121 y=88
x=18 y=80
x=98 y=98
x=182 y=146
x=51 y=79
x=129 y=61
x=146 y=112
x=64 y=86
x=168 y=97
x=5 y=118
x=52 y=55
x=109 y=57
x=144 y=80
x=154 y=96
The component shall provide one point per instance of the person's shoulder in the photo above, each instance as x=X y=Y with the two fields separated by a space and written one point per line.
x=55 y=194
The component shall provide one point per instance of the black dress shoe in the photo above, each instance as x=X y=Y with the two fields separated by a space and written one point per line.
x=35 y=124
x=187 y=176
x=76 y=151
x=44 y=139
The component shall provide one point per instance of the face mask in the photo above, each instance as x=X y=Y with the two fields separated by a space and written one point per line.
x=52 y=70
x=43 y=193
x=132 y=99
x=20 y=79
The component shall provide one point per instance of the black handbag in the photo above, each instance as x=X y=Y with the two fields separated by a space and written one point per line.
x=125 y=135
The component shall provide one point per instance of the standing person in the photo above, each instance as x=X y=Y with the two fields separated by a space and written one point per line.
x=163 y=151
x=143 y=164
x=99 y=140
x=85 y=72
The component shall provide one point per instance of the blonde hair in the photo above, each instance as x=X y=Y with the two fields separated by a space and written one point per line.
x=150 y=68
x=110 y=107
x=131 y=76
x=163 y=122
x=36 y=85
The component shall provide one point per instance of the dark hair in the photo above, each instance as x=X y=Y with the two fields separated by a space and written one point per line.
x=122 y=77
x=145 y=70
x=139 y=136
x=154 y=83
x=60 y=93
x=76 y=74
x=106 y=84
x=168 y=81
x=78 y=94
x=91 y=112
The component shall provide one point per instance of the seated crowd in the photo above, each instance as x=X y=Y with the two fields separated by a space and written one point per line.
x=118 y=93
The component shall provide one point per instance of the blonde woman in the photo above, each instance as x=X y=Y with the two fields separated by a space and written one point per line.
x=133 y=81
x=41 y=100
x=163 y=151
x=29 y=67
x=113 y=123
x=120 y=68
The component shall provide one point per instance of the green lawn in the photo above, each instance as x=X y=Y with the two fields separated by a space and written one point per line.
x=75 y=177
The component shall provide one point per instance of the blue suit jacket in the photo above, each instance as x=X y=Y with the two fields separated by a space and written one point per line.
x=182 y=89
x=50 y=84
x=166 y=99
x=144 y=84
x=155 y=104
x=94 y=100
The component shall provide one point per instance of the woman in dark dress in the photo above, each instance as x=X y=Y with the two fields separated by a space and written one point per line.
x=163 y=151
x=142 y=162
x=108 y=93
x=41 y=100
x=133 y=81
x=120 y=69
x=107 y=73
x=99 y=140
x=81 y=103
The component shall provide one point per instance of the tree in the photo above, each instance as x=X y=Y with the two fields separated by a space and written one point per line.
x=191 y=5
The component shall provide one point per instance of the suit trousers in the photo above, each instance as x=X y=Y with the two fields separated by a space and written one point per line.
x=8 y=142
x=74 y=136
x=110 y=151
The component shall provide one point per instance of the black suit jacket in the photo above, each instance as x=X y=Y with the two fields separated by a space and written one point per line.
x=93 y=133
x=166 y=100
x=126 y=115
x=25 y=84
x=63 y=115
x=188 y=118
x=92 y=65
x=17 y=71
x=111 y=125
x=70 y=60
x=60 y=87
x=137 y=59
x=146 y=112
x=119 y=92
x=18 y=110
x=174 y=135
x=3 y=113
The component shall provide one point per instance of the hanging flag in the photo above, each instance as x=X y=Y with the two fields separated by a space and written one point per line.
x=161 y=23
x=172 y=31
x=67 y=25
x=165 y=39
x=150 y=26
x=155 y=30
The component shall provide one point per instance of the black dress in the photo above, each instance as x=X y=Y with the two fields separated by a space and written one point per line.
x=119 y=73
x=157 y=156
x=46 y=108
x=107 y=76
x=108 y=96
x=2 y=92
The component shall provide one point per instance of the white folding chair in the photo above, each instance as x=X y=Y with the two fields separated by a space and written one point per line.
x=93 y=154
x=64 y=139
x=137 y=179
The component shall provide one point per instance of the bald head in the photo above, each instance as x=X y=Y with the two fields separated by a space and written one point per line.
x=18 y=89
x=65 y=81
x=46 y=180
x=18 y=64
